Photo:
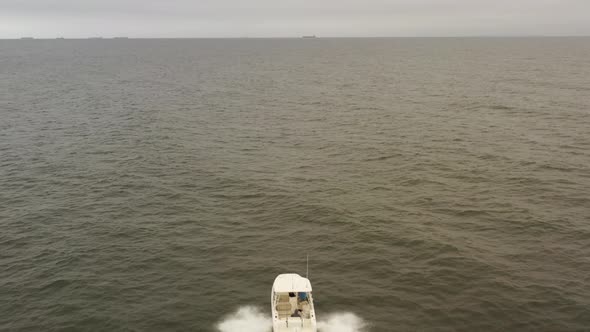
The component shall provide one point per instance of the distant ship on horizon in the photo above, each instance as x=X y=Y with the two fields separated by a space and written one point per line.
x=27 y=38
x=310 y=36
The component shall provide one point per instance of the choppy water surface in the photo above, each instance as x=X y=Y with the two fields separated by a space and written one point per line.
x=154 y=185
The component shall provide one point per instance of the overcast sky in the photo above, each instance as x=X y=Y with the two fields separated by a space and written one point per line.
x=292 y=18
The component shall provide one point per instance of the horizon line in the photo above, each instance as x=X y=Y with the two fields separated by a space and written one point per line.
x=123 y=37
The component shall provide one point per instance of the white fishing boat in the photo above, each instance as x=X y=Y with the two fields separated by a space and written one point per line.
x=292 y=304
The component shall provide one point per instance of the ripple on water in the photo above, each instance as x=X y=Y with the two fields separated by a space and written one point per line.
x=163 y=184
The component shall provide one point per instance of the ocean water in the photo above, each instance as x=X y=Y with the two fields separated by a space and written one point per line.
x=161 y=185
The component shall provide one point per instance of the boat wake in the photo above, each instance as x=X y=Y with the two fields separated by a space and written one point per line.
x=246 y=319
x=342 y=322
x=252 y=319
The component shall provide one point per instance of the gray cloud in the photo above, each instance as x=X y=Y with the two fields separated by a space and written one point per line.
x=274 y=18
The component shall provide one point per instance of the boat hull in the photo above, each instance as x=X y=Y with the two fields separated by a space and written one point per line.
x=294 y=329
x=292 y=304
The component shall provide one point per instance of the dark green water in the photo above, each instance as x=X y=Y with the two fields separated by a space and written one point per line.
x=160 y=185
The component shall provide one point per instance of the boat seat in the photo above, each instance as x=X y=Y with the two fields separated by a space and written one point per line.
x=284 y=309
x=306 y=308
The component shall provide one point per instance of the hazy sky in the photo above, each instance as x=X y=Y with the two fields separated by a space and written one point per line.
x=284 y=18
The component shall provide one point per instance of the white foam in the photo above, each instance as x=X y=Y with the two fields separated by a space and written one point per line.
x=252 y=319
x=342 y=322
x=246 y=319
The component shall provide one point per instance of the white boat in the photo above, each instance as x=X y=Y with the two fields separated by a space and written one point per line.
x=292 y=304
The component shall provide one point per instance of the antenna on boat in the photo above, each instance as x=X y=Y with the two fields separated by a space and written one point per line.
x=307 y=267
